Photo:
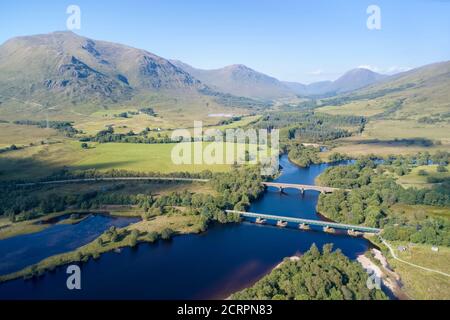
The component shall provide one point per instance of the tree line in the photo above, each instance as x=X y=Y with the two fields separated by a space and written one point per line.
x=326 y=275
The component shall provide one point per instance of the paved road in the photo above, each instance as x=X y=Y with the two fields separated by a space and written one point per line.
x=112 y=179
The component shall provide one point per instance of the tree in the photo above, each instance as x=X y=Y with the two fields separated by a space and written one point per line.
x=422 y=173
x=152 y=236
x=134 y=237
x=166 y=234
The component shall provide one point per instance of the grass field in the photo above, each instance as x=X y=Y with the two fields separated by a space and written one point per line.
x=413 y=179
x=364 y=108
x=420 y=212
x=420 y=284
x=24 y=135
x=41 y=161
x=406 y=129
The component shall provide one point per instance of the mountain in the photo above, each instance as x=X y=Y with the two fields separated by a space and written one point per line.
x=409 y=95
x=356 y=79
x=239 y=80
x=65 y=67
x=350 y=81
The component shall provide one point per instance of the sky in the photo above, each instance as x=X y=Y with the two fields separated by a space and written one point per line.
x=292 y=40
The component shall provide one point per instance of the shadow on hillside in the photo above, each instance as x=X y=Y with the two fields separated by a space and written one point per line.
x=30 y=169
x=421 y=142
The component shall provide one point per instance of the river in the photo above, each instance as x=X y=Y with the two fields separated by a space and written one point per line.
x=212 y=265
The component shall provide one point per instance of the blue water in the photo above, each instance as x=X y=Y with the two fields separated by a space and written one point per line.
x=215 y=264
x=18 y=252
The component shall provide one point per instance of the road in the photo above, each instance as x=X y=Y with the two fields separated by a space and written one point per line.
x=409 y=263
x=111 y=179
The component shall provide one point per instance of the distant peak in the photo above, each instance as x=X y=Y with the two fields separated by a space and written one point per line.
x=237 y=67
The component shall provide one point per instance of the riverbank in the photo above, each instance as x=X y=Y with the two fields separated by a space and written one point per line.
x=41 y=223
x=144 y=231
x=376 y=264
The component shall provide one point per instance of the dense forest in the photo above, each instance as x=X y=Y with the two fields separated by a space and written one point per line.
x=312 y=127
x=315 y=276
x=374 y=193
x=65 y=127
x=304 y=156
x=235 y=191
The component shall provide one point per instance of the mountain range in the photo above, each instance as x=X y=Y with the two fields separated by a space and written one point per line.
x=240 y=80
x=67 y=69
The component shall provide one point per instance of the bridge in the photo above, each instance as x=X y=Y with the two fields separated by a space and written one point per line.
x=301 y=187
x=306 y=223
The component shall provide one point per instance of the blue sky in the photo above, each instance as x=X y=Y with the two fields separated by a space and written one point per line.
x=290 y=39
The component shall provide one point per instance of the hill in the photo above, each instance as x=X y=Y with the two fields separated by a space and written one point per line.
x=70 y=75
x=352 y=80
x=418 y=93
x=408 y=112
x=240 y=80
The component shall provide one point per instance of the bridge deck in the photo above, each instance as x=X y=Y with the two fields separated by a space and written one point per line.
x=300 y=186
x=306 y=221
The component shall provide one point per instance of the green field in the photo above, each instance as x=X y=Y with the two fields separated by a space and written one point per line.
x=420 y=212
x=41 y=161
x=413 y=179
x=420 y=284
x=24 y=135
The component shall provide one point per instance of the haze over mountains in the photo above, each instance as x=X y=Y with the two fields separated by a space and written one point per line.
x=420 y=92
x=243 y=81
x=350 y=81
x=65 y=68
x=240 y=80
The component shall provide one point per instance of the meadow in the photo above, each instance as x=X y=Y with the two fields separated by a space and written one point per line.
x=417 y=179
x=420 y=284
x=43 y=160
x=20 y=135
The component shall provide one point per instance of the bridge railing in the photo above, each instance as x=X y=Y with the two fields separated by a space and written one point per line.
x=307 y=221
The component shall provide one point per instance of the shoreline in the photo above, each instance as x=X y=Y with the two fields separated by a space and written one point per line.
x=389 y=279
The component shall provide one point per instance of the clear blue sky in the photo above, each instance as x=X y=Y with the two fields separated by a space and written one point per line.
x=289 y=39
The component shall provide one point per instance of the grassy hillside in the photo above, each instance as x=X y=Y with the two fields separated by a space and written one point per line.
x=411 y=105
x=43 y=160
x=65 y=76
x=411 y=95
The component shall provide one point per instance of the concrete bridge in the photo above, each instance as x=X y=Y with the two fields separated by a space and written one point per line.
x=304 y=224
x=301 y=187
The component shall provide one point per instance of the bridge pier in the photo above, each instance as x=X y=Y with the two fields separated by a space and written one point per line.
x=304 y=226
x=327 y=229
x=354 y=233
x=260 y=221
x=282 y=224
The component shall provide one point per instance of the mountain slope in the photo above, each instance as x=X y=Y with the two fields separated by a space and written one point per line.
x=240 y=80
x=356 y=79
x=64 y=67
x=414 y=94
x=350 y=81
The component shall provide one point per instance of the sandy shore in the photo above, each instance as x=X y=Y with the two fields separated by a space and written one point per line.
x=389 y=278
